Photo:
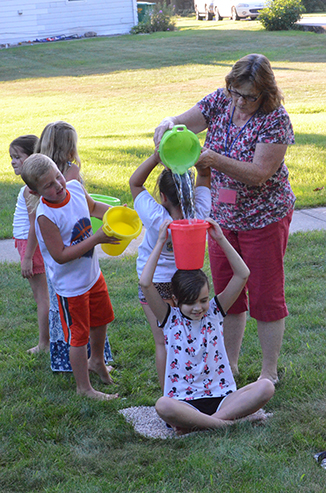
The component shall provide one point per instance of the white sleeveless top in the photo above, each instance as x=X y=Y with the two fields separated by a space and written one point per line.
x=21 y=222
x=73 y=220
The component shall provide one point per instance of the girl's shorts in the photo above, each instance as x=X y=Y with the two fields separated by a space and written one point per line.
x=79 y=313
x=263 y=251
x=38 y=264
x=164 y=289
x=207 y=405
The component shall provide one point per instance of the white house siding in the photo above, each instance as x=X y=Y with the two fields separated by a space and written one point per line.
x=27 y=20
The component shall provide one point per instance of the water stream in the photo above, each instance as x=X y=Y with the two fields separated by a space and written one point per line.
x=185 y=185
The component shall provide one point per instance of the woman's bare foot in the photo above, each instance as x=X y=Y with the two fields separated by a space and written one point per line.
x=39 y=349
x=102 y=371
x=95 y=394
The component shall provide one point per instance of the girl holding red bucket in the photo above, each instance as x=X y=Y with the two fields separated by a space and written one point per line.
x=199 y=388
x=152 y=214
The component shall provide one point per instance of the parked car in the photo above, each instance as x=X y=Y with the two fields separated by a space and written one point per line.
x=232 y=9
x=205 y=9
x=237 y=10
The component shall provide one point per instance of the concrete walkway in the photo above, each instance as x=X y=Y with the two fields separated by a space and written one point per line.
x=303 y=220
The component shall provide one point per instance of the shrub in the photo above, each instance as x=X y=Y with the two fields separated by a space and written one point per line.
x=184 y=8
x=158 y=18
x=281 y=15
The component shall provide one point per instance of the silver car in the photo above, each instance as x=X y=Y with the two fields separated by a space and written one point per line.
x=232 y=9
x=205 y=9
x=237 y=10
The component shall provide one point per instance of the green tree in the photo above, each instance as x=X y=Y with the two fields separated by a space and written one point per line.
x=314 y=5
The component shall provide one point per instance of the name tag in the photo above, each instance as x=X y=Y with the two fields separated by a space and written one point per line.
x=227 y=195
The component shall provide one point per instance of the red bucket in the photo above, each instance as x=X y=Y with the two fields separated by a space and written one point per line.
x=189 y=243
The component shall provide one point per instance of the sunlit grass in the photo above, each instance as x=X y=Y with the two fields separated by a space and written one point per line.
x=116 y=90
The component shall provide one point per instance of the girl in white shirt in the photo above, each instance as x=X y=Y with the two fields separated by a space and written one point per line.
x=152 y=215
x=32 y=265
x=200 y=392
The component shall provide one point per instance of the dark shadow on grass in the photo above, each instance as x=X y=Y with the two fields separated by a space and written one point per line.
x=105 y=55
x=142 y=135
x=98 y=154
x=316 y=140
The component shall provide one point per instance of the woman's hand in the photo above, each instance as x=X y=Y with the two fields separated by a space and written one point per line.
x=166 y=124
x=207 y=159
x=202 y=169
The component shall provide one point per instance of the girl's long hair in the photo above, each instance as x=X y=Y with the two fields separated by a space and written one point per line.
x=59 y=141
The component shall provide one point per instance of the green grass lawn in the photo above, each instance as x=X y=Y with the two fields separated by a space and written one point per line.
x=115 y=91
x=55 y=441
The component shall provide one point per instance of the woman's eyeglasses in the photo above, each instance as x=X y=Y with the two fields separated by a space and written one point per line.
x=251 y=99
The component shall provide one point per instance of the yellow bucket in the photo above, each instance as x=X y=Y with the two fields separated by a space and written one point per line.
x=122 y=223
x=97 y=223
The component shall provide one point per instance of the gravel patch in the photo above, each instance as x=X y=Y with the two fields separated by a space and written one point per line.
x=147 y=422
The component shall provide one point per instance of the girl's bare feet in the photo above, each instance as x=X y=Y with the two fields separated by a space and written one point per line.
x=274 y=379
x=95 y=394
x=39 y=349
x=181 y=431
x=101 y=370
x=259 y=416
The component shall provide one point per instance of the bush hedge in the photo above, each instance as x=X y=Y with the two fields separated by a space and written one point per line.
x=158 y=18
x=314 y=5
x=281 y=15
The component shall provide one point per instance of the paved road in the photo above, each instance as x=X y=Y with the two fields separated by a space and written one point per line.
x=313 y=24
x=303 y=220
x=313 y=21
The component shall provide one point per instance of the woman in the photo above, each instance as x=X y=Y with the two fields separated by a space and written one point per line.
x=248 y=131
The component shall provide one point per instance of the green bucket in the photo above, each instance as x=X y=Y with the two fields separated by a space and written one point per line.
x=97 y=223
x=179 y=149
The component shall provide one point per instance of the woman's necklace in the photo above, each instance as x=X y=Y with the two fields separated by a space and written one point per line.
x=228 y=152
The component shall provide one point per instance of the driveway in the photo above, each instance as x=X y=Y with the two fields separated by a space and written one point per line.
x=316 y=24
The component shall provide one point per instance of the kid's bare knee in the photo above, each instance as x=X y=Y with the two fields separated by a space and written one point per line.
x=267 y=389
x=165 y=407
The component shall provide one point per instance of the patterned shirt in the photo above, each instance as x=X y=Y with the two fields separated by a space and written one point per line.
x=255 y=206
x=196 y=363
